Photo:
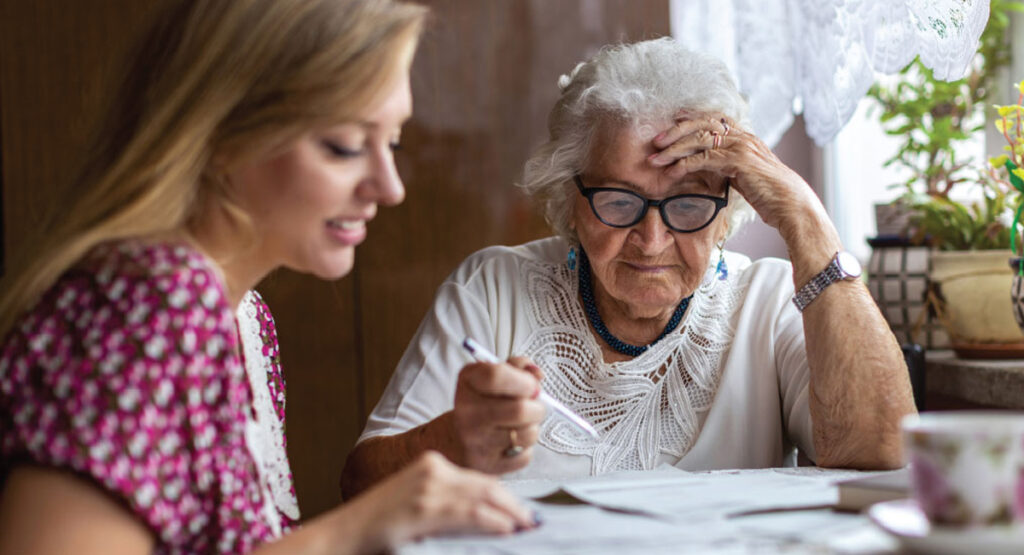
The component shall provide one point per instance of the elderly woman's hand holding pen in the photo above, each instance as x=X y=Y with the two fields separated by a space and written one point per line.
x=492 y=426
x=497 y=415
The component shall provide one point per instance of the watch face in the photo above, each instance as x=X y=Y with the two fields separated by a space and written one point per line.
x=848 y=264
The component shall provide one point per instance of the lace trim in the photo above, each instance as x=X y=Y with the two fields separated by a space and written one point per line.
x=653 y=404
x=826 y=53
x=265 y=436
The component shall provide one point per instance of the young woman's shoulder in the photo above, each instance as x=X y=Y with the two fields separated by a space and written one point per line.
x=126 y=301
x=127 y=373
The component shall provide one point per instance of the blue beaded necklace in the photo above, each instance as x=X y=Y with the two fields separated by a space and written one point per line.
x=595 y=318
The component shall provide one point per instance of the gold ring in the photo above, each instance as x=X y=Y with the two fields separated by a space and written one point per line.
x=513 y=449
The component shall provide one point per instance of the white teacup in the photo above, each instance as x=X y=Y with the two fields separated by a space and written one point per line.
x=967 y=467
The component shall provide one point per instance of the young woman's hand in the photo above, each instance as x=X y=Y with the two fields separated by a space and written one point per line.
x=433 y=496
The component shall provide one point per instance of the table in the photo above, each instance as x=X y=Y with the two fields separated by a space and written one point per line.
x=782 y=510
x=953 y=383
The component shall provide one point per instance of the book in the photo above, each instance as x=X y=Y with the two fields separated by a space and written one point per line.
x=857 y=494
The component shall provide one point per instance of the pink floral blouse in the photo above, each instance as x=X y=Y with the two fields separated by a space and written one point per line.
x=129 y=373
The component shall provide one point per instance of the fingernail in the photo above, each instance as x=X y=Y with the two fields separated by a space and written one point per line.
x=533 y=367
x=654 y=159
x=536 y=393
x=659 y=136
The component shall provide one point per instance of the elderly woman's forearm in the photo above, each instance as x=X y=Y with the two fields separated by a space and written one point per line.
x=859 y=385
x=378 y=457
x=361 y=467
x=811 y=240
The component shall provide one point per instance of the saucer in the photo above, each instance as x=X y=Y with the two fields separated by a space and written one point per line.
x=904 y=520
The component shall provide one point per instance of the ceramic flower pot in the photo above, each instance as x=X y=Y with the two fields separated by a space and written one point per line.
x=892 y=219
x=970 y=290
x=1017 y=292
x=897 y=277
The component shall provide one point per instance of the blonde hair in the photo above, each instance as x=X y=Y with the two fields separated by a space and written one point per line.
x=637 y=85
x=215 y=84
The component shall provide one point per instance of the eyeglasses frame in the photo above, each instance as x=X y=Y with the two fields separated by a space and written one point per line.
x=589 y=192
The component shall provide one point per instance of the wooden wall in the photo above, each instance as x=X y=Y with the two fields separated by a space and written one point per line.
x=54 y=59
x=483 y=81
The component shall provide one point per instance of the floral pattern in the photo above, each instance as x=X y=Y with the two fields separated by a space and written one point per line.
x=968 y=479
x=268 y=336
x=128 y=373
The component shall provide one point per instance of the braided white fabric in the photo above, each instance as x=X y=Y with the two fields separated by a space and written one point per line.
x=264 y=436
x=651 y=405
x=826 y=52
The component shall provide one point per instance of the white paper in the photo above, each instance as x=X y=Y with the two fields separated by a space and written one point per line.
x=687 y=496
x=672 y=511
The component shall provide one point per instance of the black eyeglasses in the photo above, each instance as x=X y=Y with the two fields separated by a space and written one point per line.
x=623 y=208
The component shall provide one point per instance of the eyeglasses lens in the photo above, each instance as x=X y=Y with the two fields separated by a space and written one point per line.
x=620 y=208
x=689 y=213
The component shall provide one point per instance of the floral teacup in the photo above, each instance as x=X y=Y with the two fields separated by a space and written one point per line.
x=967 y=467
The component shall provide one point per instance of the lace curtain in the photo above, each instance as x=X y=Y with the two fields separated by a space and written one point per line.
x=821 y=56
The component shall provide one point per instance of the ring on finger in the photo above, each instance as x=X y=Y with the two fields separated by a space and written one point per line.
x=513 y=449
x=716 y=140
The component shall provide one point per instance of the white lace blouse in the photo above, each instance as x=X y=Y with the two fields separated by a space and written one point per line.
x=727 y=389
x=264 y=426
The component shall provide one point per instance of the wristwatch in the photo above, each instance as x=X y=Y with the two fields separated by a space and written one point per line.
x=843 y=266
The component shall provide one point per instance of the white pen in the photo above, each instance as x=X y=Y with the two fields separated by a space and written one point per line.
x=483 y=355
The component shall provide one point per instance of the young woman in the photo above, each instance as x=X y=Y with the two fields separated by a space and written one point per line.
x=141 y=402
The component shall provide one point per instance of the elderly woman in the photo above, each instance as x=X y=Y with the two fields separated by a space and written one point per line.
x=635 y=316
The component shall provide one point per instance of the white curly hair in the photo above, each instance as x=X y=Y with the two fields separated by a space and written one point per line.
x=639 y=84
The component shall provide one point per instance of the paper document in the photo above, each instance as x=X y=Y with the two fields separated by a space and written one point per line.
x=668 y=510
x=674 y=494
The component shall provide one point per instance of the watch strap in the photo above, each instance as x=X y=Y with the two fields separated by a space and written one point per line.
x=818 y=283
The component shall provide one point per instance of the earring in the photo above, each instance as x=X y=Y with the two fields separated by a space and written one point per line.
x=571 y=259
x=722 y=269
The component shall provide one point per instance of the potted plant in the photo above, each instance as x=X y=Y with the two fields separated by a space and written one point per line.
x=1011 y=126
x=933 y=119
x=969 y=275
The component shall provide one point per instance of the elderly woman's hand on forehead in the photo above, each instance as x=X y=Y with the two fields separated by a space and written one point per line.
x=714 y=143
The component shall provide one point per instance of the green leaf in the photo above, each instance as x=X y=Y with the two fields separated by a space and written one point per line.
x=1016 y=176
